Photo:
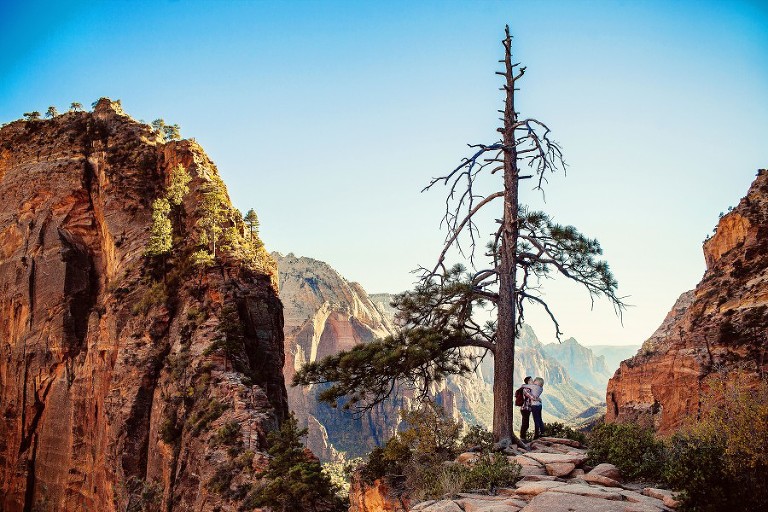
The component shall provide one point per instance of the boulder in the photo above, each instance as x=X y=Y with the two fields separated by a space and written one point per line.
x=636 y=497
x=539 y=478
x=441 y=506
x=608 y=470
x=592 y=478
x=560 y=468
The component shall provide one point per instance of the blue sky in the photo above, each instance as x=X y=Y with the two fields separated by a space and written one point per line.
x=329 y=117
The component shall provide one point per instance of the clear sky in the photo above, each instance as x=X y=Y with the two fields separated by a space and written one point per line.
x=329 y=117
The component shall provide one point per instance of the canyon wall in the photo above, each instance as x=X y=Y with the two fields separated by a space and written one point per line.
x=110 y=393
x=717 y=328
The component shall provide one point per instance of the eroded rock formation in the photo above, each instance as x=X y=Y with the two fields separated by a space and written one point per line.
x=720 y=326
x=108 y=394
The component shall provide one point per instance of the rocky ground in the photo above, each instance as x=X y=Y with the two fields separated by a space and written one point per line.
x=556 y=478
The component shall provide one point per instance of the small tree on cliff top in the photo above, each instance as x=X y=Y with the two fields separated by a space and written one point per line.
x=440 y=332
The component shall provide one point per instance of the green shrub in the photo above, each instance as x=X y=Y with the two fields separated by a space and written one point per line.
x=155 y=295
x=477 y=437
x=720 y=461
x=562 y=431
x=208 y=412
x=227 y=435
x=490 y=471
x=169 y=432
x=629 y=447
x=697 y=468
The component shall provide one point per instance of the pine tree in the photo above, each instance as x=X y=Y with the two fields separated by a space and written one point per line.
x=171 y=132
x=51 y=112
x=32 y=116
x=294 y=480
x=214 y=214
x=76 y=106
x=160 y=231
x=252 y=221
x=178 y=185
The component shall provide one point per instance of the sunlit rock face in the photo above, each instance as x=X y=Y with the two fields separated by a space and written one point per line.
x=98 y=396
x=325 y=314
x=582 y=364
x=719 y=326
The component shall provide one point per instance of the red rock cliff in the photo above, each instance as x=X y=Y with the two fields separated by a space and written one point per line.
x=109 y=394
x=718 y=327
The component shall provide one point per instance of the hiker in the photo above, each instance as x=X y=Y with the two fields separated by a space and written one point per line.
x=533 y=392
x=525 y=408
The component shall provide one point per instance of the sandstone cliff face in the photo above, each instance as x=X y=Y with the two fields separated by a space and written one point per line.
x=107 y=396
x=325 y=314
x=718 y=327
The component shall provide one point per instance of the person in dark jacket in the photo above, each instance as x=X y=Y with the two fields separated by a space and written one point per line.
x=525 y=412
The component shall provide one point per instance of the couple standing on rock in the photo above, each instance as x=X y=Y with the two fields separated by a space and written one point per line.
x=531 y=392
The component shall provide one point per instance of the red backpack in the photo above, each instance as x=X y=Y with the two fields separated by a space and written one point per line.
x=519 y=397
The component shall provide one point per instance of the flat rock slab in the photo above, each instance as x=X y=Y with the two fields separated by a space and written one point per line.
x=538 y=478
x=561 y=440
x=534 y=488
x=440 y=506
x=636 y=497
x=662 y=494
x=533 y=471
x=563 y=502
x=525 y=460
x=592 y=491
x=505 y=505
x=556 y=458
x=559 y=468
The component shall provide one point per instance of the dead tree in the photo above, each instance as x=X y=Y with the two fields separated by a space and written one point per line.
x=439 y=317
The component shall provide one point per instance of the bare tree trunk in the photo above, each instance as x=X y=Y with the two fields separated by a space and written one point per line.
x=506 y=334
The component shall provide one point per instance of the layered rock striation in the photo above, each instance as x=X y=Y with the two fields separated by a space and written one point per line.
x=110 y=393
x=717 y=328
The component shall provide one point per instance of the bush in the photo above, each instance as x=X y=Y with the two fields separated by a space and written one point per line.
x=477 y=438
x=629 y=447
x=421 y=458
x=492 y=470
x=155 y=295
x=696 y=467
x=720 y=462
x=562 y=431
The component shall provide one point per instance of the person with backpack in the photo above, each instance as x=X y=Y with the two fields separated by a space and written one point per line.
x=533 y=393
x=525 y=408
